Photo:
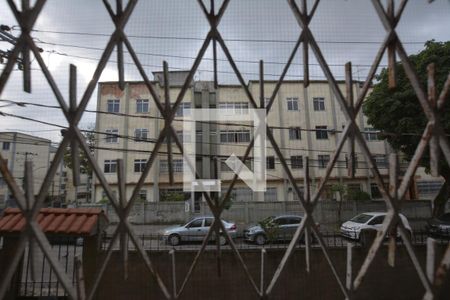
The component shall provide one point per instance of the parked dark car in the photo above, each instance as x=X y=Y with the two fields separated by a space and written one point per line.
x=439 y=226
x=274 y=228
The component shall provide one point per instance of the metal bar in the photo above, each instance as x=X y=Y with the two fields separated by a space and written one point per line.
x=393 y=191
x=120 y=65
x=168 y=110
x=307 y=195
x=121 y=176
x=431 y=258
x=442 y=269
x=392 y=81
x=351 y=168
x=174 y=273
x=74 y=144
x=305 y=49
x=263 y=254
x=80 y=278
x=434 y=141
x=348 y=277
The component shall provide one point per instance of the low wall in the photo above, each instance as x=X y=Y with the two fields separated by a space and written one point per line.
x=251 y=212
x=381 y=281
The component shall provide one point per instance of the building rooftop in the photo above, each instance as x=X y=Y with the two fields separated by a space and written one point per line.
x=66 y=221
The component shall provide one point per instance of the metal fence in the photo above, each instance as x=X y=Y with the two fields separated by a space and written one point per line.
x=73 y=111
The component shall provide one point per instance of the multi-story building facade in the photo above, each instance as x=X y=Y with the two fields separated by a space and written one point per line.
x=16 y=149
x=305 y=122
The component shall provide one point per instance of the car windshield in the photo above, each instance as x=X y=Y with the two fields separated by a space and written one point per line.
x=362 y=218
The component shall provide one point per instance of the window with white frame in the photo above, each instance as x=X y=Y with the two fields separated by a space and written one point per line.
x=319 y=103
x=110 y=166
x=139 y=165
x=234 y=108
x=113 y=106
x=142 y=105
x=177 y=165
x=112 y=136
x=292 y=103
x=140 y=134
x=297 y=162
x=235 y=136
x=6 y=146
x=371 y=134
x=321 y=133
x=323 y=160
x=184 y=109
x=295 y=133
x=381 y=161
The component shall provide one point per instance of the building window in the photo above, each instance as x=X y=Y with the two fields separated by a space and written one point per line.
x=140 y=134
x=375 y=191
x=296 y=162
x=184 y=109
x=321 y=132
x=112 y=135
x=143 y=195
x=239 y=194
x=234 y=136
x=295 y=133
x=110 y=166
x=371 y=134
x=319 y=103
x=142 y=105
x=323 y=160
x=6 y=146
x=381 y=161
x=428 y=187
x=139 y=165
x=270 y=162
x=270 y=194
x=113 y=106
x=234 y=108
x=292 y=103
x=177 y=165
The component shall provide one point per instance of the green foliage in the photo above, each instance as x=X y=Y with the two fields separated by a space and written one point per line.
x=85 y=167
x=270 y=228
x=172 y=196
x=398 y=111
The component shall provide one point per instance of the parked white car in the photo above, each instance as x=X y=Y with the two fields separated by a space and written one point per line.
x=368 y=220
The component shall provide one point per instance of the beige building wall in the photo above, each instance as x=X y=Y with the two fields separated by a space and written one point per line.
x=307 y=116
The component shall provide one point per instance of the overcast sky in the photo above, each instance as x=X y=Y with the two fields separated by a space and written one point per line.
x=172 y=30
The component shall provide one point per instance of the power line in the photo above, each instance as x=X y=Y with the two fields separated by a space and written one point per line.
x=189 y=57
x=161 y=37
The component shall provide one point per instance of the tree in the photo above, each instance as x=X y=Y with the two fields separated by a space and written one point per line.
x=85 y=167
x=398 y=113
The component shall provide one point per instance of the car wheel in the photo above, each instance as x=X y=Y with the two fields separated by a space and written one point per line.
x=260 y=239
x=222 y=240
x=174 y=239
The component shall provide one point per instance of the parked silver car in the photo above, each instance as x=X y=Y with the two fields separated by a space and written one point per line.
x=274 y=228
x=196 y=230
